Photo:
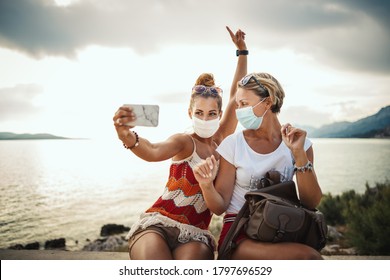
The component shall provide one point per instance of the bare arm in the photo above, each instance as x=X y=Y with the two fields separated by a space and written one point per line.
x=229 y=121
x=309 y=189
x=146 y=150
x=217 y=196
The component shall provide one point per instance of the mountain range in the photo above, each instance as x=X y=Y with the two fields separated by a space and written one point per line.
x=27 y=136
x=375 y=126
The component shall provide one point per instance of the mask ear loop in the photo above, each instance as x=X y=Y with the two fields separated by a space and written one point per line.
x=261 y=101
x=265 y=113
x=258 y=104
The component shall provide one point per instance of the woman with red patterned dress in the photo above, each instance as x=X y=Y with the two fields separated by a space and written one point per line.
x=176 y=225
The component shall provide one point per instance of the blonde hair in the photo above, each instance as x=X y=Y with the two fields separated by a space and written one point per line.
x=206 y=79
x=274 y=88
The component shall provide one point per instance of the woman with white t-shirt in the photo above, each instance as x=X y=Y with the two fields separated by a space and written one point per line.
x=247 y=155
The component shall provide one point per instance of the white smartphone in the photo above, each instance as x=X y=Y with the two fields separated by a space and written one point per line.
x=147 y=115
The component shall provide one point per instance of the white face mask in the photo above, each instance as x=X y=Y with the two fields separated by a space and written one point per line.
x=205 y=129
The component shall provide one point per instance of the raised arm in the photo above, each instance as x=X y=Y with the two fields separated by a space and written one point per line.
x=309 y=189
x=175 y=145
x=229 y=121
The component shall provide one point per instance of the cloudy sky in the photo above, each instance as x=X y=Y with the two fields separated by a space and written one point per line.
x=66 y=65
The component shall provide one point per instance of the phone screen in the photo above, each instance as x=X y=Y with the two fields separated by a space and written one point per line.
x=147 y=115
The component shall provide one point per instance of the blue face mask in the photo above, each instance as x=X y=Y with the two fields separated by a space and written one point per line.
x=248 y=119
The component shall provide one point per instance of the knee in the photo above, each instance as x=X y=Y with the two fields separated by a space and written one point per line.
x=311 y=254
x=238 y=253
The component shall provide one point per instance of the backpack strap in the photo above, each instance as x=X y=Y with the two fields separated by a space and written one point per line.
x=228 y=244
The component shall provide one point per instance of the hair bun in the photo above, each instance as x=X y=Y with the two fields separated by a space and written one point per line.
x=205 y=79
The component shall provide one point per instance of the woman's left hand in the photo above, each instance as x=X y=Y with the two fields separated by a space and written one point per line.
x=293 y=137
x=238 y=38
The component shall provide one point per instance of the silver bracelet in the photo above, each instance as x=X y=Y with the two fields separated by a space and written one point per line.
x=307 y=167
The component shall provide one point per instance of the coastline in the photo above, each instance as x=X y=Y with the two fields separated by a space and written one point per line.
x=112 y=245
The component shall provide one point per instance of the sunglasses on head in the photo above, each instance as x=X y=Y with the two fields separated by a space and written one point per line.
x=244 y=81
x=201 y=89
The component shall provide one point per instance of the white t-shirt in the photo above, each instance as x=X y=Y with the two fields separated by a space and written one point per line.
x=252 y=165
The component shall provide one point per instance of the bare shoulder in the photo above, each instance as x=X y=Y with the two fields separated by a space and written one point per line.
x=182 y=138
x=178 y=141
x=185 y=142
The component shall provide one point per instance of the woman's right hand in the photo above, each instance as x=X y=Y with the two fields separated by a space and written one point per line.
x=122 y=116
x=206 y=171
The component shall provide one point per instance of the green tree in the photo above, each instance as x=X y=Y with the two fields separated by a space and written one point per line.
x=333 y=207
x=367 y=218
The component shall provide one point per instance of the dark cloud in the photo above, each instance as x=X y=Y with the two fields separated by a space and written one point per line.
x=377 y=9
x=344 y=34
x=16 y=103
x=350 y=34
x=38 y=27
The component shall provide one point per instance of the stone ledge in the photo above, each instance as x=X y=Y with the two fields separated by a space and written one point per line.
x=61 y=255
x=88 y=255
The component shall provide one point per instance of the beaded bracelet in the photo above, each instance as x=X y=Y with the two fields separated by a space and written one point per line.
x=135 y=144
x=307 y=167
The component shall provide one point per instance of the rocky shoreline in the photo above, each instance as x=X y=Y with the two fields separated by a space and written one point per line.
x=112 y=240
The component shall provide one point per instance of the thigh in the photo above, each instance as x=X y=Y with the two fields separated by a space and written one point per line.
x=193 y=250
x=149 y=245
x=249 y=249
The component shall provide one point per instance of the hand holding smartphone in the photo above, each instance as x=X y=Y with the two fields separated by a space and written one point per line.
x=147 y=115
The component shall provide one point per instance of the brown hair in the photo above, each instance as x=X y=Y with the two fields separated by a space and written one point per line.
x=206 y=79
x=274 y=88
